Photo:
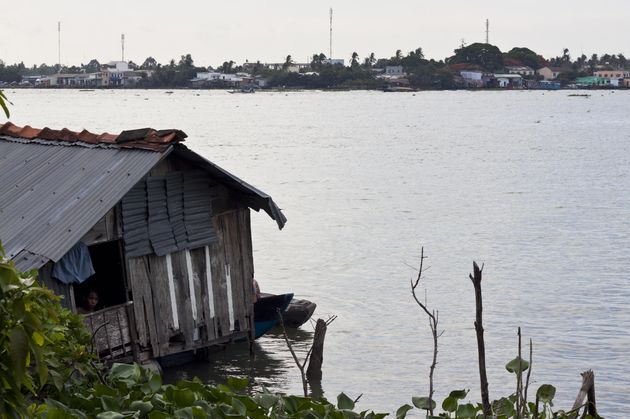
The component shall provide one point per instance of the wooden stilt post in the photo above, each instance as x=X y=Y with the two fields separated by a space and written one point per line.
x=587 y=391
x=314 y=371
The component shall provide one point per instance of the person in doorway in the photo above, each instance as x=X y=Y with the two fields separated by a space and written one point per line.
x=90 y=301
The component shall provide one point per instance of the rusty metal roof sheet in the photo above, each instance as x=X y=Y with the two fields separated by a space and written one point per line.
x=143 y=139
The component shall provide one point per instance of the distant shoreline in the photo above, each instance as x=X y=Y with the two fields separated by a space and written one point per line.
x=303 y=89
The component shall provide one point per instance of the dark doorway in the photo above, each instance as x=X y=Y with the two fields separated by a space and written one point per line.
x=108 y=281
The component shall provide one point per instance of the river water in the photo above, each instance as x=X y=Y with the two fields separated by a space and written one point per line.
x=535 y=185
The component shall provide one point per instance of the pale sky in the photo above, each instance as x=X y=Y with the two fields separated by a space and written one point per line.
x=214 y=31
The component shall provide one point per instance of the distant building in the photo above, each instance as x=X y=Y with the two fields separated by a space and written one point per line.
x=334 y=61
x=475 y=79
x=471 y=75
x=116 y=66
x=616 y=77
x=394 y=70
x=509 y=80
x=592 y=81
x=523 y=70
x=549 y=73
x=214 y=79
x=291 y=68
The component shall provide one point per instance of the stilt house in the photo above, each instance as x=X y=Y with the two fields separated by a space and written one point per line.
x=167 y=234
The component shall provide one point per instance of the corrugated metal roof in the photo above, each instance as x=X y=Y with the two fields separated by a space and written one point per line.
x=56 y=184
x=51 y=195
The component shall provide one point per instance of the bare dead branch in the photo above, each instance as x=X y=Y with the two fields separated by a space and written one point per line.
x=433 y=324
x=529 y=373
x=295 y=358
x=476 y=277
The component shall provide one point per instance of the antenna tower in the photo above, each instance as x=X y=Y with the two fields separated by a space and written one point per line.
x=330 y=50
x=59 y=45
x=122 y=44
x=487 y=31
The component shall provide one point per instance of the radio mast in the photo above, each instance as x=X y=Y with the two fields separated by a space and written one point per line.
x=330 y=50
x=59 y=45
x=122 y=44
x=487 y=31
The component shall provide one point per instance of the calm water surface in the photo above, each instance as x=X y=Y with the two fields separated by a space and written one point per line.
x=535 y=185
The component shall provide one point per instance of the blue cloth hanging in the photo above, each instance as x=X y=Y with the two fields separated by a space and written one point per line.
x=75 y=266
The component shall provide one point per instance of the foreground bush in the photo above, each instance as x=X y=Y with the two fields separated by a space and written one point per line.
x=130 y=391
x=43 y=347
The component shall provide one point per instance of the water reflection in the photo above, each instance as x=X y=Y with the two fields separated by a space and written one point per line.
x=269 y=365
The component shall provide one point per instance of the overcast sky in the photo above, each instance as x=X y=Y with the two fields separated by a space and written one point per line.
x=268 y=30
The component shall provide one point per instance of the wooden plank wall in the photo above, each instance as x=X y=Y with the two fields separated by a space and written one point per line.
x=106 y=229
x=153 y=305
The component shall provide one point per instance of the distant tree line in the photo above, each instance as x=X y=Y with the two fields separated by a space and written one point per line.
x=360 y=73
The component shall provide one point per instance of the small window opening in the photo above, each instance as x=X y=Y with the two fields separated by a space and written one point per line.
x=108 y=281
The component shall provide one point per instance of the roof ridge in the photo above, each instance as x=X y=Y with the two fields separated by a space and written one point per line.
x=143 y=138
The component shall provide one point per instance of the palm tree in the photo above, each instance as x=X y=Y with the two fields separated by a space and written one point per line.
x=354 y=62
x=149 y=63
x=287 y=62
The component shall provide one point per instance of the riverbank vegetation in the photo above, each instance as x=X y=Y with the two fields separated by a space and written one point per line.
x=362 y=72
x=47 y=370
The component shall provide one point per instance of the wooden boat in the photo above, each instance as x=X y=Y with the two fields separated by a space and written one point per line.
x=266 y=312
x=298 y=312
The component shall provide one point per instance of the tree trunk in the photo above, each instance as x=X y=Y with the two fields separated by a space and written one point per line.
x=314 y=371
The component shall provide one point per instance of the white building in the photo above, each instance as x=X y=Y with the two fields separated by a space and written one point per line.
x=394 y=70
x=505 y=80
x=523 y=70
x=471 y=75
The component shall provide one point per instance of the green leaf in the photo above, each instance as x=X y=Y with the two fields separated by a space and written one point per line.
x=344 y=402
x=3 y=105
x=517 y=365
x=546 y=393
x=19 y=352
x=140 y=406
x=158 y=415
x=56 y=413
x=123 y=371
x=503 y=407
x=38 y=338
x=449 y=404
x=266 y=400
x=237 y=383
x=155 y=382
x=109 y=415
x=110 y=403
x=103 y=390
x=458 y=394
x=423 y=403
x=466 y=411
x=43 y=374
x=402 y=411
x=239 y=407
x=183 y=397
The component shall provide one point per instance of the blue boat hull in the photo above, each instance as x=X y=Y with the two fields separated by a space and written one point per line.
x=266 y=312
